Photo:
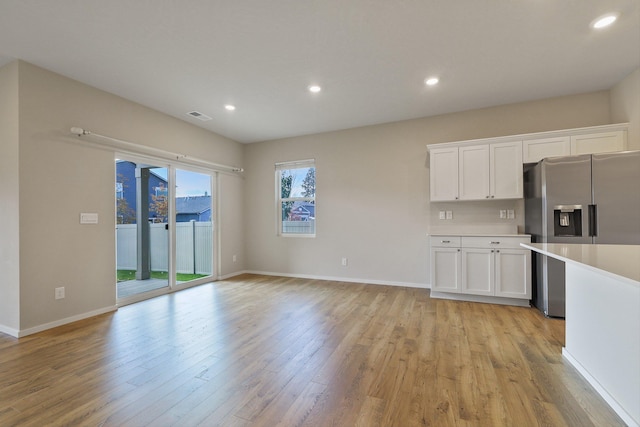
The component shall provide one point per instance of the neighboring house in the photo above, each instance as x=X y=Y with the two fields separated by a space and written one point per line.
x=302 y=212
x=127 y=201
x=196 y=208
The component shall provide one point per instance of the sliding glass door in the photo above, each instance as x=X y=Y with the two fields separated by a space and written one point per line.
x=194 y=226
x=142 y=238
x=164 y=228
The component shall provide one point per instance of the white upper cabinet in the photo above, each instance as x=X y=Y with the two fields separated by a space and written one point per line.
x=599 y=139
x=537 y=149
x=491 y=168
x=473 y=173
x=603 y=142
x=476 y=172
x=490 y=171
x=444 y=173
x=505 y=181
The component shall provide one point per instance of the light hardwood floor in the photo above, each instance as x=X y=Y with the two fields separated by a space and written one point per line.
x=266 y=351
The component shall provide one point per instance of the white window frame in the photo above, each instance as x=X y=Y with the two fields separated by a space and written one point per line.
x=298 y=164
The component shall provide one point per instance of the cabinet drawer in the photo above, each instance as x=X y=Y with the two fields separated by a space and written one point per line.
x=445 y=241
x=494 y=242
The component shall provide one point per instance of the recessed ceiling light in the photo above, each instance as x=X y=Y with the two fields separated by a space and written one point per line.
x=230 y=107
x=431 y=81
x=604 y=21
x=315 y=88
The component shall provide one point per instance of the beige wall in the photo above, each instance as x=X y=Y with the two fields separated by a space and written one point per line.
x=231 y=215
x=372 y=183
x=9 y=201
x=61 y=176
x=372 y=191
x=625 y=106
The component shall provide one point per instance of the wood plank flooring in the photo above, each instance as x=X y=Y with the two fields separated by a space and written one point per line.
x=266 y=351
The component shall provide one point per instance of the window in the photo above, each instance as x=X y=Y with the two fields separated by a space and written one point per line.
x=119 y=190
x=161 y=191
x=296 y=198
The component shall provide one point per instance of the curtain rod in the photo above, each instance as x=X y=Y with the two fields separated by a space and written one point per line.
x=144 y=149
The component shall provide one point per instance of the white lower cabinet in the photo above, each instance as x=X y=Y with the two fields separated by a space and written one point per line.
x=478 y=272
x=513 y=273
x=481 y=268
x=445 y=262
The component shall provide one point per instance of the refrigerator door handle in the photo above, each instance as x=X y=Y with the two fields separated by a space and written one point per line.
x=593 y=220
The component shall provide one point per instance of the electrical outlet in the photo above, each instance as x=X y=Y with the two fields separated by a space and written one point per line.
x=449 y=214
x=511 y=214
x=344 y=261
x=503 y=214
x=442 y=215
x=235 y=258
x=59 y=293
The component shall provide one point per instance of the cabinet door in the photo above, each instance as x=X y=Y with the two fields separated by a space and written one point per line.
x=505 y=161
x=445 y=269
x=513 y=278
x=605 y=142
x=478 y=271
x=474 y=172
x=443 y=176
x=537 y=149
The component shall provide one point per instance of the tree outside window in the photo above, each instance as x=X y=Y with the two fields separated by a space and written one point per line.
x=159 y=204
x=124 y=213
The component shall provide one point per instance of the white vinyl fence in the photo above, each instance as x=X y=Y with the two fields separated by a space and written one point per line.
x=299 y=227
x=194 y=243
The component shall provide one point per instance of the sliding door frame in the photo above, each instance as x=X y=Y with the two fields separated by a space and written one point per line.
x=171 y=167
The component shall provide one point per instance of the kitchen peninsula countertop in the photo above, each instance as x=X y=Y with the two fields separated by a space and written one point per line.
x=621 y=262
x=602 y=317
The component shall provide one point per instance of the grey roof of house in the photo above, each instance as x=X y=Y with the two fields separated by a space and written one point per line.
x=193 y=204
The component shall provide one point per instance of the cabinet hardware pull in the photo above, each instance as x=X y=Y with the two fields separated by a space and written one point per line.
x=445 y=241
x=498 y=250
x=495 y=243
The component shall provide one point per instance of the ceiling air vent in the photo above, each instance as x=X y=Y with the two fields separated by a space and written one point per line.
x=198 y=115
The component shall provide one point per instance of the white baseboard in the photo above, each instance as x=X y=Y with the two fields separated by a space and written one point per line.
x=481 y=298
x=50 y=325
x=9 y=331
x=29 y=331
x=626 y=417
x=342 y=279
x=234 y=274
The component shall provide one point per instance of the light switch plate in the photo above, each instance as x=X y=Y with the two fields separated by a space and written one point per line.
x=442 y=215
x=449 y=214
x=510 y=214
x=88 y=218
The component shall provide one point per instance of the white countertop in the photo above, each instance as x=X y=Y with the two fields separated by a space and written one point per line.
x=479 y=234
x=619 y=261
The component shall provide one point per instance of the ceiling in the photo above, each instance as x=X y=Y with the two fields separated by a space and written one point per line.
x=370 y=57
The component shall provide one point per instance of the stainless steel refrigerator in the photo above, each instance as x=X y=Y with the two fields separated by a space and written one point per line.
x=584 y=199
